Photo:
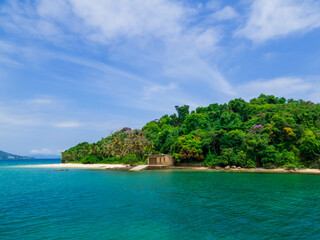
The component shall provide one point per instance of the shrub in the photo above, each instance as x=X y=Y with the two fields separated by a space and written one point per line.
x=250 y=164
x=189 y=149
x=290 y=166
x=288 y=158
x=130 y=159
x=209 y=159
x=219 y=161
x=271 y=157
x=269 y=165
x=241 y=159
x=212 y=160
x=112 y=160
x=91 y=159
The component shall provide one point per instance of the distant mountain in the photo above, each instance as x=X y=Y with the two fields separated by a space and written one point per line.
x=5 y=155
x=45 y=156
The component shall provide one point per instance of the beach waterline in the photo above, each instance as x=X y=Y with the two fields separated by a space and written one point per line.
x=158 y=167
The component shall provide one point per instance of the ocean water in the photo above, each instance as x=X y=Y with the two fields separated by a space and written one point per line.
x=100 y=204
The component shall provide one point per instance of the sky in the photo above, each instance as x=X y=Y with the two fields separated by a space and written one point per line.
x=78 y=70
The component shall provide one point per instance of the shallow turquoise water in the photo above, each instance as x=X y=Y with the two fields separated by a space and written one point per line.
x=97 y=204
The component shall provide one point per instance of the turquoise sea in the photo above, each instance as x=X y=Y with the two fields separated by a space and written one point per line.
x=99 y=204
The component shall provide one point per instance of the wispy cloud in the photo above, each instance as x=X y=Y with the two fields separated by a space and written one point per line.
x=135 y=23
x=45 y=151
x=7 y=118
x=68 y=124
x=225 y=13
x=158 y=90
x=9 y=61
x=34 y=112
x=284 y=86
x=112 y=19
x=74 y=70
x=21 y=16
x=274 y=19
x=41 y=101
x=213 y=4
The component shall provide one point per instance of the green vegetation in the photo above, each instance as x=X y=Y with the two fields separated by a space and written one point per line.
x=125 y=146
x=265 y=132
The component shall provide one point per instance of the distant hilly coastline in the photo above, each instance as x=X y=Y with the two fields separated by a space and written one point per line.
x=45 y=156
x=5 y=155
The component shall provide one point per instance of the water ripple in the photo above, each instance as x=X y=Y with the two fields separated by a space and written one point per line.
x=84 y=204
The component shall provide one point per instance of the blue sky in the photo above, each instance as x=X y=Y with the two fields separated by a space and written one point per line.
x=77 y=70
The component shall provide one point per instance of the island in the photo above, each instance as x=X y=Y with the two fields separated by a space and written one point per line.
x=267 y=132
x=5 y=155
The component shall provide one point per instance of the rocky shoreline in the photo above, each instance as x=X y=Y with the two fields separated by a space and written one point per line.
x=251 y=170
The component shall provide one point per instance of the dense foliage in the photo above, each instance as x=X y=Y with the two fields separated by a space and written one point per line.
x=265 y=132
x=125 y=146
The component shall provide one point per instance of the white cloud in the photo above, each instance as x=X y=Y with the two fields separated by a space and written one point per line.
x=270 y=19
x=315 y=94
x=206 y=41
x=68 y=124
x=213 y=5
x=18 y=114
x=160 y=29
x=9 y=61
x=19 y=17
x=6 y=47
x=97 y=20
x=42 y=151
x=35 y=112
x=110 y=19
x=226 y=13
x=7 y=118
x=163 y=20
x=45 y=151
x=58 y=9
x=157 y=90
x=41 y=101
x=99 y=66
x=315 y=97
x=283 y=86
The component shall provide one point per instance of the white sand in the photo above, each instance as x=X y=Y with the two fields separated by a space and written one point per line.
x=123 y=166
x=79 y=165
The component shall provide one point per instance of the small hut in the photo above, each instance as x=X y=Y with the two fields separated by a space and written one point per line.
x=160 y=159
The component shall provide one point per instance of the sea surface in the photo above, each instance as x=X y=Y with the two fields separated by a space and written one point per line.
x=40 y=203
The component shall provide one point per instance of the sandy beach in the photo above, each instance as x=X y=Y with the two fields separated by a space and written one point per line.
x=79 y=165
x=158 y=167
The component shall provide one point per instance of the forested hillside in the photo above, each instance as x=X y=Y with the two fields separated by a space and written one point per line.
x=5 y=155
x=265 y=132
